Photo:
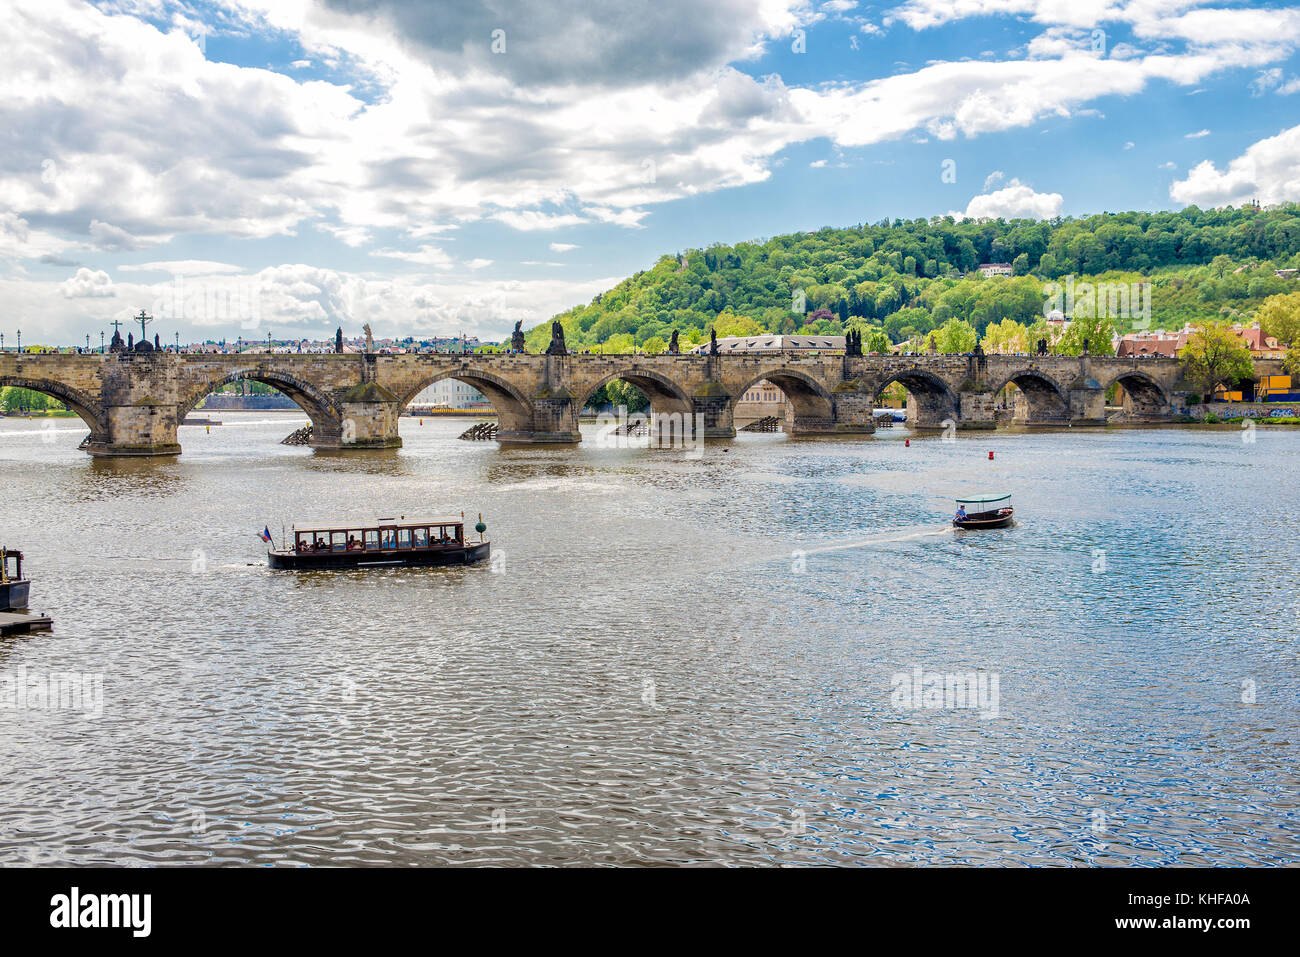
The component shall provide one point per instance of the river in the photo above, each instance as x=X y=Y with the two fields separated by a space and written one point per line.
x=671 y=660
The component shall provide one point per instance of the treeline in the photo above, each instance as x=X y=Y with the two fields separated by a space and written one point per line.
x=14 y=399
x=909 y=277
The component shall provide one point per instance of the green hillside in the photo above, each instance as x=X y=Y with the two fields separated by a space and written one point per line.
x=908 y=277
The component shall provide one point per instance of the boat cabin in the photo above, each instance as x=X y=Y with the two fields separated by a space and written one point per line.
x=382 y=535
x=11 y=565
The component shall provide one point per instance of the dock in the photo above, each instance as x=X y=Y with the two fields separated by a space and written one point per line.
x=20 y=623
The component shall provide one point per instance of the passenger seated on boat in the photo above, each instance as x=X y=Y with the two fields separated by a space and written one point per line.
x=322 y=545
x=961 y=513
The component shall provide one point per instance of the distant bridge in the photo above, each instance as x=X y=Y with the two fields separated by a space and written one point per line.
x=133 y=402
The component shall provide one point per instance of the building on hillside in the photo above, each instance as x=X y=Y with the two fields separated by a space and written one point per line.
x=995 y=269
x=1155 y=343
x=1260 y=345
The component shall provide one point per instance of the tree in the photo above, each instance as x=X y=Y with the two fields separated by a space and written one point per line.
x=1215 y=355
x=956 y=336
x=875 y=341
x=1098 y=330
x=1007 y=336
x=625 y=393
x=1279 y=317
x=13 y=399
x=654 y=346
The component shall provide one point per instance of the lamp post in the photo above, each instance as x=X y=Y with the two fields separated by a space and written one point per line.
x=88 y=342
x=101 y=342
x=20 y=340
x=178 y=343
x=2 y=342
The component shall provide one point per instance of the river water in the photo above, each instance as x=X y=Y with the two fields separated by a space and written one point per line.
x=671 y=659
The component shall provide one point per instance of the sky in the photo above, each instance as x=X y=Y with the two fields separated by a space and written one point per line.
x=443 y=167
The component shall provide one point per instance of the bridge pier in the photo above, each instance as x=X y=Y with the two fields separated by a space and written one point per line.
x=1088 y=405
x=143 y=429
x=713 y=402
x=976 y=410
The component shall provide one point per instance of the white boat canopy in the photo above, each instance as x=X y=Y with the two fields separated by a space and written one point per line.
x=988 y=498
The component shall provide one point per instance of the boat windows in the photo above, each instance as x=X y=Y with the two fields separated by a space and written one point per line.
x=388 y=537
x=372 y=540
x=420 y=537
x=338 y=541
x=403 y=538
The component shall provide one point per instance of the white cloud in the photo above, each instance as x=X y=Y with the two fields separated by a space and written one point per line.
x=1268 y=170
x=424 y=256
x=184 y=267
x=562 y=247
x=1129 y=145
x=1015 y=201
x=993 y=179
x=1197 y=135
x=88 y=284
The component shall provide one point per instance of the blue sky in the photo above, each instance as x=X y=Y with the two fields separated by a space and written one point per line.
x=289 y=166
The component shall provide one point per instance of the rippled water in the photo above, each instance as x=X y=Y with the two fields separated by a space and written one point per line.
x=672 y=661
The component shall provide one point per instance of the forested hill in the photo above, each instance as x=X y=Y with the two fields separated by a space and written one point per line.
x=907 y=277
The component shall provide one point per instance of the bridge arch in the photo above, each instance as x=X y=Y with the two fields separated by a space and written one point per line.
x=1045 y=401
x=1143 y=395
x=665 y=395
x=934 y=399
x=514 y=411
x=86 y=408
x=320 y=408
x=811 y=406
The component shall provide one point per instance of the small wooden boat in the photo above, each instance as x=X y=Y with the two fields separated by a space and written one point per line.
x=384 y=541
x=986 y=511
x=14 y=589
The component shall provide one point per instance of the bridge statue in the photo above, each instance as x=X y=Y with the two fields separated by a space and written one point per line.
x=557 y=346
x=713 y=341
x=370 y=338
x=116 y=345
x=338 y=340
x=517 y=337
x=673 y=349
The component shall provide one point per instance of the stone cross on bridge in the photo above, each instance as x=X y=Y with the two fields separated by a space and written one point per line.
x=133 y=402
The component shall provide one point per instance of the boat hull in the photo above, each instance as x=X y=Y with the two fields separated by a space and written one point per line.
x=414 y=558
x=981 y=520
x=14 y=594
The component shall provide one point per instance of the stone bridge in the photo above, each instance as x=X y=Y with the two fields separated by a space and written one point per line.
x=133 y=402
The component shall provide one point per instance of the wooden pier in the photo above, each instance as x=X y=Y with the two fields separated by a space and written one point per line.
x=20 y=623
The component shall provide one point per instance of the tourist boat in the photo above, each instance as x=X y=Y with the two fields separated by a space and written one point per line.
x=384 y=541
x=985 y=511
x=14 y=588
